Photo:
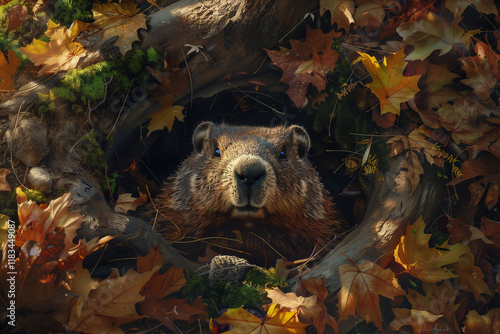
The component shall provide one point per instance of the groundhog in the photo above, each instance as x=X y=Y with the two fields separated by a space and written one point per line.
x=250 y=192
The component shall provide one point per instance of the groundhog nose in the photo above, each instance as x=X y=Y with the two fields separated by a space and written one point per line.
x=251 y=175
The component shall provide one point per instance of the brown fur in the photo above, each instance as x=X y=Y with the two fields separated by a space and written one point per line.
x=290 y=210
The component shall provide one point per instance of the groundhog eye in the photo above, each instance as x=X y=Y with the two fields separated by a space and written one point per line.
x=217 y=152
x=282 y=155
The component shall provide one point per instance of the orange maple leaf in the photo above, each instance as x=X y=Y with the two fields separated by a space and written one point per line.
x=126 y=202
x=306 y=63
x=389 y=84
x=62 y=53
x=421 y=261
x=8 y=70
x=360 y=287
x=276 y=321
x=118 y=19
x=165 y=116
x=317 y=287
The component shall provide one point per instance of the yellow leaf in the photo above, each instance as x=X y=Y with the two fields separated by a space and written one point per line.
x=275 y=322
x=306 y=307
x=429 y=34
x=8 y=70
x=389 y=84
x=340 y=10
x=470 y=277
x=165 y=116
x=485 y=324
x=360 y=287
x=119 y=19
x=62 y=53
x=421 y=261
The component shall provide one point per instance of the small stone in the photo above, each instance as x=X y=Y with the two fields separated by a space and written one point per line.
x=40 y=180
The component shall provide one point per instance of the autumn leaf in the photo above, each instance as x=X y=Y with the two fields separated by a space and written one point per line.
x=360 y=287
x=487 y=166
x=470 y=277
x=316 y=287
x=306 y=307
x=421 y=261
x=167 y=310
x=491 y=230
x=8 y=70
x=110 y=304
x=372 y=12
x=489 y=142
x=437 y=304
x=483 y=6
x=126 y=202
x=462 y=119
x=340 y=11
x=61 y=53
x=171 y=80
x=16 y=16
x=479 y=78
x=4 y=185
x=388 y=82
x=119 y=19
x=276 y=321
x=429 y=34
x=4 y=230
x=306 y=63
x=484 y=324
x=485 y=56
x=166 y=115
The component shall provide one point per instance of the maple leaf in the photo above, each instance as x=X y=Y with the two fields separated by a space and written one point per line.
x=61 y=53
x=276 y=321
x=372 y=12
x=389 y=84
x=415 y=142
x=306 y=63
x=360 y=287
x=486 y=56
x=483 y=6
x=487 y=166
x=165 y=116
x=172 y=80
x=306 y=307
x=479 y=78
x=110 y=304
x=421 y=261
x=437 y=304
x=429 y=34
x=126 y=202
x=461 y=119
x=317 y=287
x=119 y=19
x=8 y=70
x=4 y=185
x=489 y=142
x=340 y=11
x=485 y=324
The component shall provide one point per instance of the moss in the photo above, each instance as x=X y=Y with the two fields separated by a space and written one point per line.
x=45 y=104
x=153 y=56
x=67 y=11
x=35 y=196
x=8 y=204
x=93 y=156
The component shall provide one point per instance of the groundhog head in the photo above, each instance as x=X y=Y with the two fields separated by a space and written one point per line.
x=247 y=191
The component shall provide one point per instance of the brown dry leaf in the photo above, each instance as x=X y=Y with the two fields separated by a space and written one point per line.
x=306 y=307
x=360 y=287
x=487 y=166
x=16 y=16
x=62 y=53
x=437 y=303
x=317 y=287
x=490 y=142
x=470 y=277
x=421 y=261
x=431 y=33
x=119 y=19
x=461 y=119
x=484 y=324
x=491 y=230
x=306 y=63
x=480 y=78
x=168 y=310
x=486 y=56
x=340 y=10
x=166 y=115
x=483 y=6
x=126 y=202
x=389 y=84
x=4 y=185
x=371 y=13
x=8 y=70
x=172 y=80
x=110 y=304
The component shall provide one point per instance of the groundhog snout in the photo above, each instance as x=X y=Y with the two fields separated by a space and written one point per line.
x=249 y=181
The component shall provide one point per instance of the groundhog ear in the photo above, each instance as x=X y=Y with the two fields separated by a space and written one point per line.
x=201 y=133
x=301 y=138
